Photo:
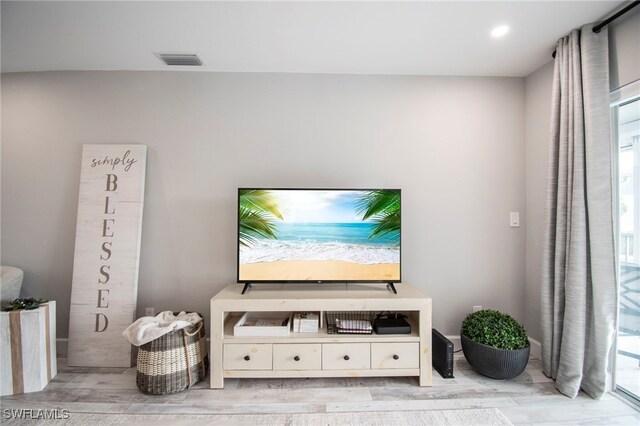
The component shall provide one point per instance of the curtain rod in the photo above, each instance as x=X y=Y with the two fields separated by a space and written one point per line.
x=607 y=21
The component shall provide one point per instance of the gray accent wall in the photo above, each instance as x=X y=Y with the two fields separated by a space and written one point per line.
x=455 y=145
x=624 y=49
x=537 y=127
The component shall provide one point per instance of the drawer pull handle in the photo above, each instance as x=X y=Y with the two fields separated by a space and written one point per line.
x=396 y=357
x=296 y=358
x=346 y=357
x=247 y=358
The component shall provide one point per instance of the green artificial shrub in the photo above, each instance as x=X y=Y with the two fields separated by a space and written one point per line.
x=493 y=328
x=29 y=303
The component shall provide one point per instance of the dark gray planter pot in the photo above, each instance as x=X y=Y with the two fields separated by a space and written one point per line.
x=493 y=362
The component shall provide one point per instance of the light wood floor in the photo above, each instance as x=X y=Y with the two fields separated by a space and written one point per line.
x=529 y=399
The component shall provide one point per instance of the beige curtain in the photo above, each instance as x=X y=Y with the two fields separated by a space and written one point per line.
x=579 y=289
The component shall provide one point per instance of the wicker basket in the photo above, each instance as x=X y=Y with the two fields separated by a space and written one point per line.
x=173 y=362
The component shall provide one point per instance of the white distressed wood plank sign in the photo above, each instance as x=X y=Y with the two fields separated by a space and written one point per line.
x=27 y=349
x=107 y=254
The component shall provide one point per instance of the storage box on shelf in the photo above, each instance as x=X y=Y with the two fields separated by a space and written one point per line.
x=306 y=322
x=27 y=349
x=258 y=324
x=319 y=354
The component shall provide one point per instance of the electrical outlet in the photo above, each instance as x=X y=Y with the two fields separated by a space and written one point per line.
x=477 y=308
x=150 y=312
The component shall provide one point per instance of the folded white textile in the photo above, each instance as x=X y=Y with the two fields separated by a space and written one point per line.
x=146 y=329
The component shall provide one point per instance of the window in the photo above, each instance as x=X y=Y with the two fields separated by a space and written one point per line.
x=626 y=134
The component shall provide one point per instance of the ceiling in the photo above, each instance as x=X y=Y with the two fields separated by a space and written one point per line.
x=421 y=38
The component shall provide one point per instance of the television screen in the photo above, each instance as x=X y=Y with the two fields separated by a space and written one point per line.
x=318 y=235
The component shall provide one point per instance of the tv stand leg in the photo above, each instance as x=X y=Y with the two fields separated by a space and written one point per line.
x=247 y=286
x=391 y=287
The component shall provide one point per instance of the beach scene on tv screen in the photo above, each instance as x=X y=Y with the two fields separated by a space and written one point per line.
x=319 y=235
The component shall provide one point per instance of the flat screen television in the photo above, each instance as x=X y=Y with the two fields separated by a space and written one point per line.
x=318 y=235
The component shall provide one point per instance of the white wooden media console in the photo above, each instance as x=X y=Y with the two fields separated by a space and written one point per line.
x=320 y=354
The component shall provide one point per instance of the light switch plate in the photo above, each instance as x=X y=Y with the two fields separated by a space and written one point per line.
x=514 y=219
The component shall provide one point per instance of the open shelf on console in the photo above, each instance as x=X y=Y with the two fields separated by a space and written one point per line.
x=321 y=336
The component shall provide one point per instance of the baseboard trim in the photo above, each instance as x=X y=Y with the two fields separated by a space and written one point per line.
x=62 y=346
x=536 y=349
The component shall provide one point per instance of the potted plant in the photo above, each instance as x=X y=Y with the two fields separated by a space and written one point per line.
x=28 y=304
x=494 y=344
x=28 y=350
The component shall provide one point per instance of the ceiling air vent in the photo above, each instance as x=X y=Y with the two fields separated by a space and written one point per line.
x=180 y=59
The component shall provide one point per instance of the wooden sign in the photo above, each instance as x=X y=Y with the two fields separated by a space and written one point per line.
x=107 y=254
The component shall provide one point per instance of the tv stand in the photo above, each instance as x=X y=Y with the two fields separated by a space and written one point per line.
x=319 y=354
x=246 y=287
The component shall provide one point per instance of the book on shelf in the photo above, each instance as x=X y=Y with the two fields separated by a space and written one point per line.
x=353 y=331
x=349 y=326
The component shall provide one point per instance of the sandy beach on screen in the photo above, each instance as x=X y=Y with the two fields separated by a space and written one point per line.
x=292 y=270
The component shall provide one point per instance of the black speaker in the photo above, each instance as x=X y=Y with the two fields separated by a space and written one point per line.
x=442 y=354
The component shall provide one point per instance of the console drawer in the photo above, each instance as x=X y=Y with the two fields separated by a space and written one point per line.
x=247 y=357
x=297 y=356
x=346 y=356
x=395 y=355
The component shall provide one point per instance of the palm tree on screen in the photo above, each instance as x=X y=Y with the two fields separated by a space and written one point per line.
x=258 y=213
x=383 y=207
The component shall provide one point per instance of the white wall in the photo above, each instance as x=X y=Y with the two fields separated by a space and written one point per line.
x=454 y=145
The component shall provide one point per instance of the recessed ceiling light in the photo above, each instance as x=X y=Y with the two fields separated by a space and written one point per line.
x=499 y=31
